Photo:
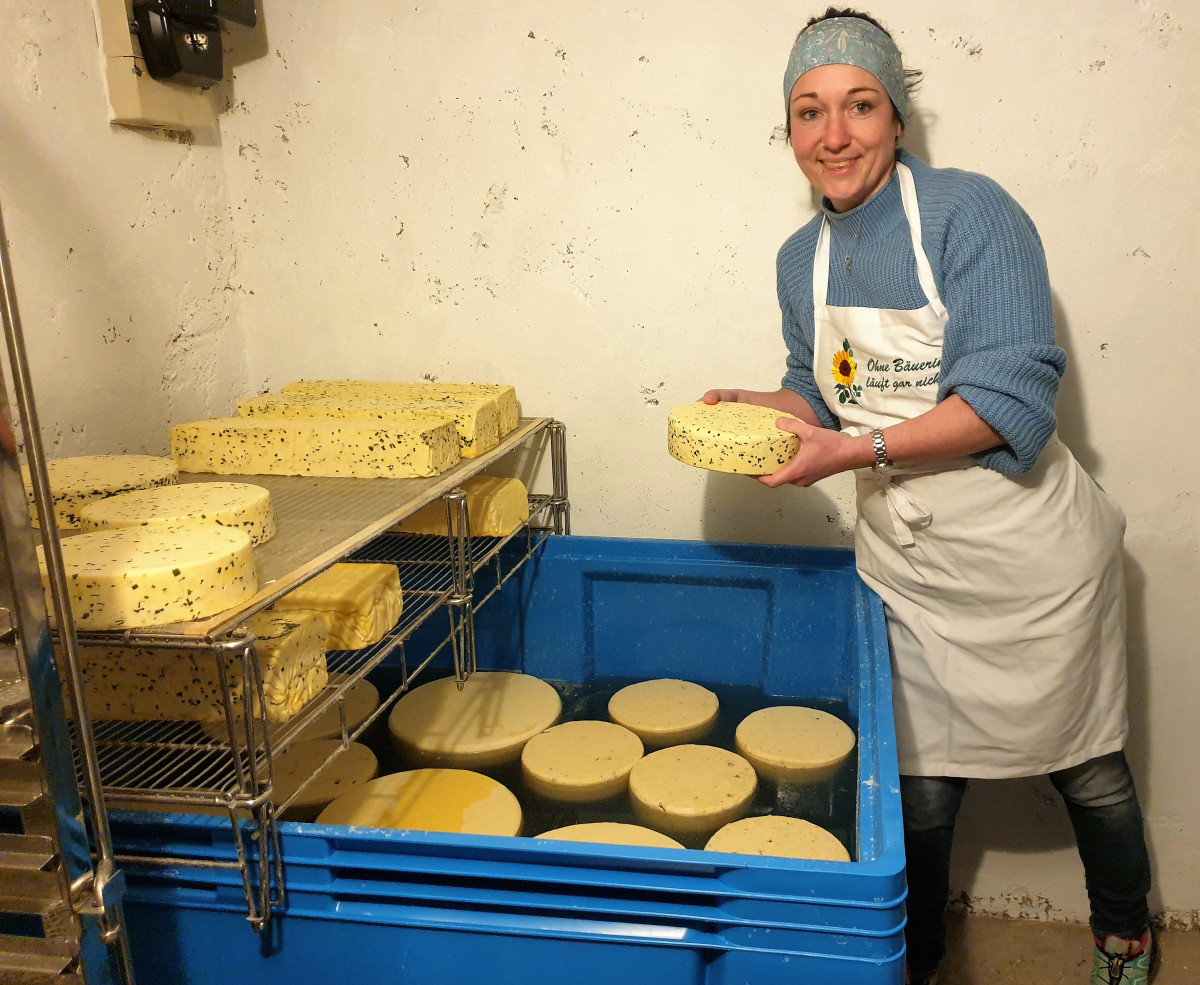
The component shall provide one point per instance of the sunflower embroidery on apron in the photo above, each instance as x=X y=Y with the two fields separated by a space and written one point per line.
x=1004 y=594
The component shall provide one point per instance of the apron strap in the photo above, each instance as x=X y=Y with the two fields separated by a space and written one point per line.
x=820 y=279
x=908 y=512
x=908 y=196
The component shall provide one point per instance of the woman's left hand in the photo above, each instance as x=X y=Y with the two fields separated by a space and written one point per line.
x=822 y=453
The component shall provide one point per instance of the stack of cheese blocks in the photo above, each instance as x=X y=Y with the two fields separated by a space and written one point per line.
x=356 y=428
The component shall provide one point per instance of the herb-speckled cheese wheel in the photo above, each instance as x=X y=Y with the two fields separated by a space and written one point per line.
x=501 y=395
x=477 y=421
x=786 y=837
x=458 y=801
x=353 y=767
x=580 y=761
x=729 y=437
x=239 y=505
x=793 y=744
x=154 y=576
x=496 y=506
x=75 y=482
x=612 y=833
x=485 y=724
x=278 y=446
x=665 y=712
x=692 y=789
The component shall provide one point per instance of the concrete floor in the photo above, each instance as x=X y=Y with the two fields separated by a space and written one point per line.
x=990 y=950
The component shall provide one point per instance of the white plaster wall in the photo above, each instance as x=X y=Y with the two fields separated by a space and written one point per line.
x=121 y=244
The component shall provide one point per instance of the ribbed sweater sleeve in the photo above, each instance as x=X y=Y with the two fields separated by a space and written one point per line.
x=998 y=350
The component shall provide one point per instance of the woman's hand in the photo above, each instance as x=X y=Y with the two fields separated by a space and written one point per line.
x=725 y=397
x=822 y=453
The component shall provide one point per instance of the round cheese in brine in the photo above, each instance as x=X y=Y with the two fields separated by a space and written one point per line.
x=458 y=801
x=612 y=833
x=353 y=767
x=580 y=761
x=238 y=505
x=729 y=437
x=75 y=482
x=665 y=712
x=691 y=789
x=155 y=576
x=485 y=723
x=786 y=837
x=793 y=744
x=361 y=700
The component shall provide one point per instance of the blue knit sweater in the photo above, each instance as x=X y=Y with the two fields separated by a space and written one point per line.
x=998 y=353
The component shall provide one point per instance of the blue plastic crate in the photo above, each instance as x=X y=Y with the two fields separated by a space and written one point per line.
x=365 y=904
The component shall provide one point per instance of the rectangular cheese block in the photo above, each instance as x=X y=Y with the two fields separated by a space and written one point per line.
x=496 y=506
x=360 y=602
x=505 y=396
x=476 y=420
x=145 y=684
x=274 y=446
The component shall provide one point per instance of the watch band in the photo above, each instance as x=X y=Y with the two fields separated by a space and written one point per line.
x=881 y=457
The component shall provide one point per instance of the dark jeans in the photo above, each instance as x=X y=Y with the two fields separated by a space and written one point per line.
x=1104 y=811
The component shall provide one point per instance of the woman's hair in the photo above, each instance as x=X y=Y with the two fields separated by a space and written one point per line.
x=912 y=76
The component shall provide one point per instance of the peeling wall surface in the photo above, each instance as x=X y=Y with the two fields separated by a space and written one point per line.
x=585 y=200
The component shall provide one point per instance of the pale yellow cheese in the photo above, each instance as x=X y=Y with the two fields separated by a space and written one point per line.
x=484 y=724
x=729 y=437
x=496 y=506
x=278 y=446
x=458 y=801
x=146 y=684
x=354 y=766
x=239 y=505
x=477 y=421
x=612 y=833
x=793 y=744
x=360 y=602
x=691 y=789
x=503 y=395
x=665 y=712
x=786 y=837
x=75 y=482
x=580 y=761
x=154 y=576
x=361 y=701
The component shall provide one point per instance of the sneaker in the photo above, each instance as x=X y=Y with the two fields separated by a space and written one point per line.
x=1123 y=960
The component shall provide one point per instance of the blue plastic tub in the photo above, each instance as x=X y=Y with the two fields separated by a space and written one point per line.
x=415 y=907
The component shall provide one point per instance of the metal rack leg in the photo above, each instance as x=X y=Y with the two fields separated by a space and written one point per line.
x=558 y=464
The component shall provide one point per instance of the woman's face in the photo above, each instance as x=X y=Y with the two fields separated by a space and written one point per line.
x=844 y=133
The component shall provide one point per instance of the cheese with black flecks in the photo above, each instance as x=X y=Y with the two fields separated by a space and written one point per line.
x=238 y=505
x=794 y=744
x=75 y=482
x=154 y=576
x=275 y=446
x=477 y=421
x=730 y=437
x=665 y=711
x=503 y=395
x=496 y=506
x=148 y=684
x=785 y=837
x=691 y=789
x=360 y=602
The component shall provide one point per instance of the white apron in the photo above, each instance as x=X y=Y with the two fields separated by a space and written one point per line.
x=1004 y=594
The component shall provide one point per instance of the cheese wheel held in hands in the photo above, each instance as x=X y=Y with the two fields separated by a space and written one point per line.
x=729 y=437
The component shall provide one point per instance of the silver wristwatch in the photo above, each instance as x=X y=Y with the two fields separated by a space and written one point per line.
x=880 y=446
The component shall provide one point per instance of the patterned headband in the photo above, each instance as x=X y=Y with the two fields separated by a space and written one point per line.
x=849 y=41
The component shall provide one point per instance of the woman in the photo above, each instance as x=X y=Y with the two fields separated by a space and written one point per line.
x=917 y=314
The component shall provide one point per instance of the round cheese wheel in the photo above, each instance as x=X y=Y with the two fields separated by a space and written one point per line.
x=665 y=712
x=787 y=837
x=155 y=576
x=486 y=723
x=75 y=482
x=458 y=801
x=353 y=767
x=362 y=699
x=239 y=505
x=580 y=761
x=612 y=833
x=729 y=437
x=793 y=744
x=691 y=789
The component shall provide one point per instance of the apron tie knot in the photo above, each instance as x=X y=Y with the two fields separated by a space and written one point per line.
x=909 y=512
